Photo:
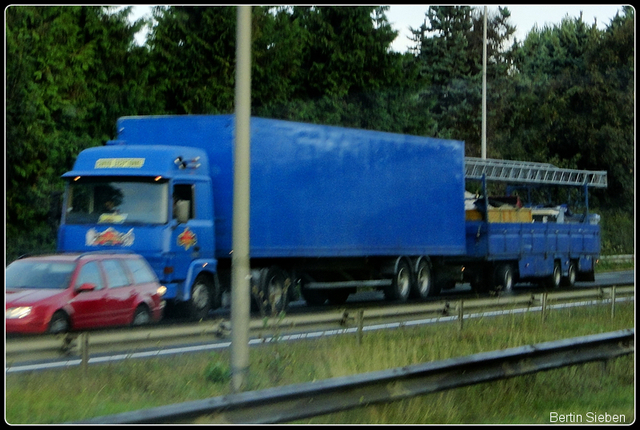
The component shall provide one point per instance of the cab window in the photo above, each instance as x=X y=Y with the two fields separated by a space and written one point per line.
x=184 y=192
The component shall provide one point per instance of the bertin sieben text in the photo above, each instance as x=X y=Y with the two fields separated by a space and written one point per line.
x=589 y=417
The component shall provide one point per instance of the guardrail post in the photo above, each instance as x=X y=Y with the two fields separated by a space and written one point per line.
x=461 y=315
x=84 y=351
x=360 y=323
x=613 y=302
x=544 y=306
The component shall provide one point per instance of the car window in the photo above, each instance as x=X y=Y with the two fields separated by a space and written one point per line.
x=38 y=274
x=116 y=275
x=140 y=271
x=90 y=274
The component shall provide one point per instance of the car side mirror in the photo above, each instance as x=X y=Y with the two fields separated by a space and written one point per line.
x=87 y=286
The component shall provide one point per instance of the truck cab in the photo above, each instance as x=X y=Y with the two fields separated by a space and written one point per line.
x=152 y=200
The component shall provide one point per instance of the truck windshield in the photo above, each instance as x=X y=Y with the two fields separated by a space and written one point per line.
x=107 y=201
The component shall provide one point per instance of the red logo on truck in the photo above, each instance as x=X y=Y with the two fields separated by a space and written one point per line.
x=109 y=236
x=187 y=239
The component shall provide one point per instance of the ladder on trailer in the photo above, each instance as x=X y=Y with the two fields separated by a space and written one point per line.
x=527 y=172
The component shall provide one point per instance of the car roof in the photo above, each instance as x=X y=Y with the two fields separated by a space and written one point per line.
x=72 y=257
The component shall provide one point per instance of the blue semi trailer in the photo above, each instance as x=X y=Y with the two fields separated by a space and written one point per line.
x=332 y=209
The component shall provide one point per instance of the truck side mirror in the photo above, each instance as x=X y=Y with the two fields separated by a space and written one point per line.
x=181 y=211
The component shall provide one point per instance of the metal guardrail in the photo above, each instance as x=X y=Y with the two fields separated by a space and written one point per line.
x=300 y=401
x=78 y=344
x=617 y=258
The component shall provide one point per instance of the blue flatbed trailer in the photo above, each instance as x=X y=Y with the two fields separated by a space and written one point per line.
x=547 y=251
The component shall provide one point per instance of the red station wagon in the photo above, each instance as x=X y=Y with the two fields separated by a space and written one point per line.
x=63 y=292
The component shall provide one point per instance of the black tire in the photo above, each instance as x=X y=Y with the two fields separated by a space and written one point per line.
x=273 y=284
x=401 y=283
x=570 y=279
x=201 y=295
x=59 y=323
x=504 y=278
x=141 y=316
x=423 y=285
x=553 y=281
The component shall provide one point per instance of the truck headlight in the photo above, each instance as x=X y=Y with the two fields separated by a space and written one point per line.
x=19 y=312
x=161 y=290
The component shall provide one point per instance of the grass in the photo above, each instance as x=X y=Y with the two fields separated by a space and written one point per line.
x=613 y=266
x=68 y=395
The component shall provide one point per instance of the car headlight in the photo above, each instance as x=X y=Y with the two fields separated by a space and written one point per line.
x=161 y=290
x=19 y=312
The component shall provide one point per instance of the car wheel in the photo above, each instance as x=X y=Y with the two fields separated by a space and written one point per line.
x=141 y=316
x=59 y=323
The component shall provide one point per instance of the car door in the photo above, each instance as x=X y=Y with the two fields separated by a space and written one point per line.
x=89 y=306
x=120 y=292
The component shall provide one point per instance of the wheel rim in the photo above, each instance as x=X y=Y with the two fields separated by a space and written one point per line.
x=556 y=276
x=424 y=280
x=200 y=295
x=275 y=291
x=141 y=317
x=572 y=274
x=508 y=280
x=403 y=281
x=58 y=324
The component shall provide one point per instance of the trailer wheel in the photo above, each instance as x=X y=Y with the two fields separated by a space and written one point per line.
x=503 y=278
x=200 y=301
x=272 y=286
x=422 y=288
x=570 y=279
x=554 y=280
x=402 y=280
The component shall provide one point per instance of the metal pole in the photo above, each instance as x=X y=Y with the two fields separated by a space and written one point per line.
x=484 y=86
x=240 y=268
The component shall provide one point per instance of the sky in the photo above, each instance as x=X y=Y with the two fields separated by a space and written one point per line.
x=524 y=17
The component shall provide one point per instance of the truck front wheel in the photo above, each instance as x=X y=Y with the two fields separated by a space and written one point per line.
x=201 y=294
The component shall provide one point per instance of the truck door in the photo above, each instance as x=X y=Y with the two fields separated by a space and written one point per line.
x=187 y=231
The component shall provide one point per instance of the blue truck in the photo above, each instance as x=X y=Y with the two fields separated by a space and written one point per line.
x=332 y=209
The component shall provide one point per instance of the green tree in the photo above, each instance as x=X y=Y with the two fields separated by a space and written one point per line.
x=67 y=70
x=193 y=53
x=573 y=103
x=448 y=52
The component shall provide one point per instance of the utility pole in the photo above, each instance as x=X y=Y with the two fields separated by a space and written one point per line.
x=484 y=86
x=240 y=266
